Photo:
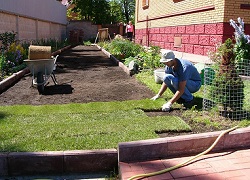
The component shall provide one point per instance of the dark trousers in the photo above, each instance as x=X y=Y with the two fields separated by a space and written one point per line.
x=130 y=35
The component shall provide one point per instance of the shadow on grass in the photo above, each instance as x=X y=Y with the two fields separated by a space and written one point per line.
x=2 y=116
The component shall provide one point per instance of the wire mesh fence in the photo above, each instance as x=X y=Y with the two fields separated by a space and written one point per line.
x=227 y=90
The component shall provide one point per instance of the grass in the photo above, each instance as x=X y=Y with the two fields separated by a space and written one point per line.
x=97 y=125
x=80 y=126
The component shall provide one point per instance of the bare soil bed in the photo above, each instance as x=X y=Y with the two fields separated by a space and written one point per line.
x=85 y=74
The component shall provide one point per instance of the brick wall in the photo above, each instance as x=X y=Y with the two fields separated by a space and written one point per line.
x=199 y=24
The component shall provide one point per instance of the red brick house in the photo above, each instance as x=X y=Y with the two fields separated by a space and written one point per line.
x=189 y=26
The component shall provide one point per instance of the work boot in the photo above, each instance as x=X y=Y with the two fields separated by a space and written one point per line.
x=180 y=101
x=189 y=104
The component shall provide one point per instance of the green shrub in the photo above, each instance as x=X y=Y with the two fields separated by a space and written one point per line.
x=121 y=48
x=127 y=51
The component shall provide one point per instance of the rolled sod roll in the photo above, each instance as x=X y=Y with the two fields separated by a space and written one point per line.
x=39 y=52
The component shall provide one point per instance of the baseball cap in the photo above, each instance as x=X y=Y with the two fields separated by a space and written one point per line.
x=167 y=55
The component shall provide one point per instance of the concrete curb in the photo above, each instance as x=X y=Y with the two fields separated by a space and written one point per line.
x=57 y=162
x=116 y=61
x=11 y=80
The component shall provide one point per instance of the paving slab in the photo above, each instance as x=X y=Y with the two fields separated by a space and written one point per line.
x=233 y=164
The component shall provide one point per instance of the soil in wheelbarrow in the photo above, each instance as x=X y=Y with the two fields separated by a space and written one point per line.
x=85 y=74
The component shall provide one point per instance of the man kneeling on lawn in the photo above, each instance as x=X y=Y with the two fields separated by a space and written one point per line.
x=181 y=77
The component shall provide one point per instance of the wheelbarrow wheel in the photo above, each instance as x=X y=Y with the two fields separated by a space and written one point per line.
x=40 y=82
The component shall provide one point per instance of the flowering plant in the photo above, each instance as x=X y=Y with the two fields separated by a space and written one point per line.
x=14 y=58
x=242 y=45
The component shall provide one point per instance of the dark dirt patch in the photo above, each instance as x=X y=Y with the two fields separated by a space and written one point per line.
x=196 y=127
x=85 y=74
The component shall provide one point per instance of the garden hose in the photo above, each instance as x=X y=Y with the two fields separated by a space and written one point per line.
x=185 y=162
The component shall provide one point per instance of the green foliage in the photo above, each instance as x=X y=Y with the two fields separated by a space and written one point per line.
x=242 y=50
x=6 y=39
x=127 y=51
x=95 y=11
x=14 y=59
x=87 y=43
x=241 y=47
x=103 y=11
x=116 y=12
x=12 y=54
x=128 y=9
x=227 y=92
x=122 y=48
x=150 y=58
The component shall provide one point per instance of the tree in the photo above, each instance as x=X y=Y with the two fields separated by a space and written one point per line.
x=105 y=11
x=125 y=9
x=128 y=7
x=96 y=11
x=116 y=14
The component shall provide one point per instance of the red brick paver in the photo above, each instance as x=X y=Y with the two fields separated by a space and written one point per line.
x=230 y=165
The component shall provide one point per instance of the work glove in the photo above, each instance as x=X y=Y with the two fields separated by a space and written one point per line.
x=167 y=106
x=155 y=97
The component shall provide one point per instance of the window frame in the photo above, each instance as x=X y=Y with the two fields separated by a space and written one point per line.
x=145 y=4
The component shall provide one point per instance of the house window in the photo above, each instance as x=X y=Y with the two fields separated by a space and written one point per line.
x=145 y=4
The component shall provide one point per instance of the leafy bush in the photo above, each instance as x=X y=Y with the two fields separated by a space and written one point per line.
x=6 y=39
x=127 y=51
x=149 y=58
x=121 y=48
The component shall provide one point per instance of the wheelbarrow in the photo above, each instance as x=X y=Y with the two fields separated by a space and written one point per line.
x=42 y=70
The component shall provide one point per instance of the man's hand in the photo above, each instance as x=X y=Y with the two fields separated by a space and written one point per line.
x=167 y=106
x=155 y=97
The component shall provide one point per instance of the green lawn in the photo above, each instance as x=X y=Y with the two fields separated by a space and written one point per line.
x=80 y=126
